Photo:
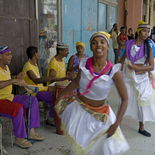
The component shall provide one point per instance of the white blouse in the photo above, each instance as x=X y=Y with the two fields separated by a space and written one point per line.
x=101 y=86
x=134 y=50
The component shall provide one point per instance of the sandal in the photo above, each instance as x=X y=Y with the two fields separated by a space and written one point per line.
x=144 y=133
x=36 y=137
x=23 y=143
x=60 y=132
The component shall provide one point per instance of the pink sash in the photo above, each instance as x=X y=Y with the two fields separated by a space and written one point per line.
x=89 y=64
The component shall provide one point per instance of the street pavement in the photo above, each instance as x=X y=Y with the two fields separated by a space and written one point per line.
x=59 y=145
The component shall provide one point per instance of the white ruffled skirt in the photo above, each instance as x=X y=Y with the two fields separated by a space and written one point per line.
x=141 y=105
x=88 y=135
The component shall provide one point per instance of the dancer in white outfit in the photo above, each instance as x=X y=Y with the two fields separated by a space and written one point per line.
x=137 y=65
x=87 y=119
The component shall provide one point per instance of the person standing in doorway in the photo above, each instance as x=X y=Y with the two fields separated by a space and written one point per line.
x=114 y=34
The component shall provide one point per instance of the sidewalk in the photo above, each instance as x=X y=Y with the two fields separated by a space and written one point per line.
x=59 y=145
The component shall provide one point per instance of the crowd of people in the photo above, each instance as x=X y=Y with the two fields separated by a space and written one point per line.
x=85 y=117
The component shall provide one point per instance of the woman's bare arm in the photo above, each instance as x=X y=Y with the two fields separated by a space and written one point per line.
x=70 y=63
x=149 y=67
x=73 y=85
x=120 y=85
x=6 y=83
x=37 y=80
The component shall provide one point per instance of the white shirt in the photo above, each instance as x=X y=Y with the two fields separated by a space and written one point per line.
x=101 y=86
x=134 y=50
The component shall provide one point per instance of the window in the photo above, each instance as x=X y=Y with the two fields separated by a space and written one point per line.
x=107 y=16
x=47 y=31
x=112 y=17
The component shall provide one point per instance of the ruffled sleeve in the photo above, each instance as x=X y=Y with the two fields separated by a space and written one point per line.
x=115 y=68
x=83 y=63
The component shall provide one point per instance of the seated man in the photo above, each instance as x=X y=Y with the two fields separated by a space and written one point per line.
x=57 y=70
x=57 y=66
x=12 y=106
x=32 y=77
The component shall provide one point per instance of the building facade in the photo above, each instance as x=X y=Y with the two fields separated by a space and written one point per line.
x=44 y=22
x=88 y=16
x=130 y=12
x=74 y=20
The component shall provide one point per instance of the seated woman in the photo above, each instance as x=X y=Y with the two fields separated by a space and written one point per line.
x=33 y=78
x=87 y=119
x=74 y=61
x=13 y=106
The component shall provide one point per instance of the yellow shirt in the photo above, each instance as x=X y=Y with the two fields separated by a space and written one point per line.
x=27 y=67
x=6 y=92
x=59 y=67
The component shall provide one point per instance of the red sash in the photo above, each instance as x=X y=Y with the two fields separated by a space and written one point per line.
x=89 y=64
x=9 y=108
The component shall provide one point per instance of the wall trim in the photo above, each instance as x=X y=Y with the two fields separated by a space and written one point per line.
x=109 y=2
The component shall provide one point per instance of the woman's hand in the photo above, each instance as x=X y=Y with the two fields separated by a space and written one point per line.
x=150 y=75
x=112 y=129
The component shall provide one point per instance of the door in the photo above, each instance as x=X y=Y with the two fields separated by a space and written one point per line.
x=18 y=29
x=79 y=21
x=89 y=21
x=102 y=18
x=71 y=24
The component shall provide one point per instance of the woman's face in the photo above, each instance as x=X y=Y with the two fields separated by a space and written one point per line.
x=144 y=33
x=80 y=49
x=99 y=47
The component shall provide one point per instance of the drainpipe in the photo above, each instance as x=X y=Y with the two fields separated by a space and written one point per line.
x=151 y=13
x=125 y=13
x=59 y=17
x=36 y=3
x=37 y=18
x=147 y=10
